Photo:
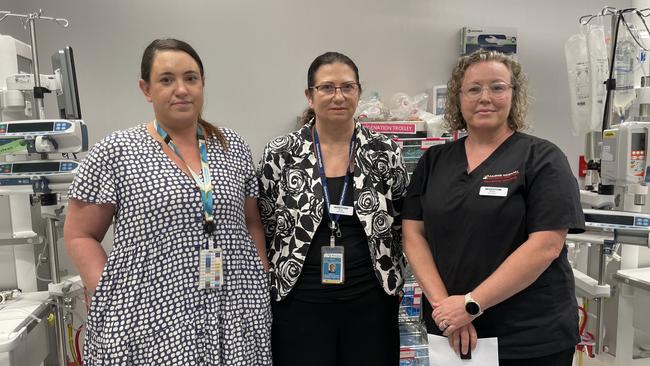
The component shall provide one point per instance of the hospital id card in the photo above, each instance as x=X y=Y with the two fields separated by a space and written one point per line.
x=332 y=265
x=210 y=269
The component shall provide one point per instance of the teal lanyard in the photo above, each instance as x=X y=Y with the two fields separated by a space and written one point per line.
x=204 y=183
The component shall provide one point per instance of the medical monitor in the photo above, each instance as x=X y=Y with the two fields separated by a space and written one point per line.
x=68 y=97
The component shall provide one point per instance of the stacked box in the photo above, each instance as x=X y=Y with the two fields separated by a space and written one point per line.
x=414 y=148
x=414 y=342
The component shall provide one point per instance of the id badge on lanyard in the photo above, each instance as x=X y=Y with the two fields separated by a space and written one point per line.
x=210 y=269
x=333 y=256
x=332 y=265
x=210 y=258
x=332 y=260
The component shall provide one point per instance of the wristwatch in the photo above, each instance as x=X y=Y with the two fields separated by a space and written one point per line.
x=472 y=307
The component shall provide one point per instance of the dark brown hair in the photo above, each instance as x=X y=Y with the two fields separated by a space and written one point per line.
x=171 y=44
x=326 y=59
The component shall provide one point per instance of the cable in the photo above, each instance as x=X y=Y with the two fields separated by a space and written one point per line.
x=70 y=343
x=86 y=299
x=587 y=339
x=8 y=308
x=76 y=342
x=39 y=262
x=583 y=321
x=71 y=311
x=42 y=278
x=634 y=33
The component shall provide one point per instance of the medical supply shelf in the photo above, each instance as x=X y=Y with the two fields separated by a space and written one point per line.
x=411 y=136
x=410 y=308
x=414 y=343
x=414 y=148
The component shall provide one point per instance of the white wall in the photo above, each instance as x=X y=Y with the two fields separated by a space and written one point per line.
x=9 y=26
x=641 y=4
x=256 y=53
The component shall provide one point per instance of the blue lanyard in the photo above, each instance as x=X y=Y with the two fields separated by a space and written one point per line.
x=204 y=183
x=323 y=179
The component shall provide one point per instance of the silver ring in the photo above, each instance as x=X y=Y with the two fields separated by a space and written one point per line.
x=444 y=325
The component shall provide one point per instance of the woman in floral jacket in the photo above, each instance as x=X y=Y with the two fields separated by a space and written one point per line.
x=330 y=200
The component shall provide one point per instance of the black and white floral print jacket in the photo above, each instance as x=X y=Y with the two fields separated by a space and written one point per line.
x=291 y=204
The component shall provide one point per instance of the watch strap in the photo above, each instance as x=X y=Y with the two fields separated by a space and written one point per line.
x=470 y=299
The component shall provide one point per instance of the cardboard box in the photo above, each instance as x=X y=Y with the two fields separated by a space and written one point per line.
x=502 y=39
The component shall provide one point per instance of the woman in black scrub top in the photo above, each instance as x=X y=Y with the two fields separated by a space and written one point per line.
x=331 y=194
x=485 y=221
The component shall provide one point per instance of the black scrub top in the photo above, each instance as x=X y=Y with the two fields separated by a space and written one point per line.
x=474 y=221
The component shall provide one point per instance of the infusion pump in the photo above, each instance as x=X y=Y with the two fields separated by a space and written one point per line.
x=43 y=136
x=624 y=165
x=37 y=176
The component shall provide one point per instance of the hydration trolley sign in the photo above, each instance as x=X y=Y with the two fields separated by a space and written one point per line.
x=406 y=128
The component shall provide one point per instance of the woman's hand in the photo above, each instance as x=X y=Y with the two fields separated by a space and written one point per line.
x=450 y=315
x=255 y=228
x=462 y=339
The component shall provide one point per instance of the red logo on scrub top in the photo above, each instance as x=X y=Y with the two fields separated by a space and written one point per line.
x=501 y=178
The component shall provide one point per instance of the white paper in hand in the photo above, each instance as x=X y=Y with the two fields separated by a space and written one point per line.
x=485 y=354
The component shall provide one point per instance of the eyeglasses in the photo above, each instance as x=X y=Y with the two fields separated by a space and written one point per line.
x=347 y=89
x=495 y=90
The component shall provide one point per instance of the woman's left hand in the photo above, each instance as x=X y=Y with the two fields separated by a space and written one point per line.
x=450 y=315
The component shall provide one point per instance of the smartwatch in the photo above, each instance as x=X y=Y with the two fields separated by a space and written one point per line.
x=472 y=307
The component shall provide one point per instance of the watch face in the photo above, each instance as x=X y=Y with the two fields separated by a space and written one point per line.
x=472 y=308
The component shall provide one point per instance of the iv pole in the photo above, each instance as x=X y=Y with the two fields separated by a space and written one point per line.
x=39 y=93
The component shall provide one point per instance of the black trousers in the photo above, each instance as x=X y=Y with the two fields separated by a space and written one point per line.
x=562 y=358
x=358 y=332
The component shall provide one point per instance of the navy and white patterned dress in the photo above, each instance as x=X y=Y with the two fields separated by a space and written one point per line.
x=148 y=309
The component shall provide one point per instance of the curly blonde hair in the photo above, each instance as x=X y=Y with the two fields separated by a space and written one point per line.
x=519 y=108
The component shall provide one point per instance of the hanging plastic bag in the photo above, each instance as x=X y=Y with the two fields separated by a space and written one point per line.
x=577 y=60
x=599 y=67
x=624 y=65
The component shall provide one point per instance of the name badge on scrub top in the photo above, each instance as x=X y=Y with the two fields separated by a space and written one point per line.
x=210 y=269
x=332 y=268
x=493 y=191
x=341 y=210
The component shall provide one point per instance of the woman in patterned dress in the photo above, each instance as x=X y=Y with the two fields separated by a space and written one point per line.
x=176 y=189
x=330 y=201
